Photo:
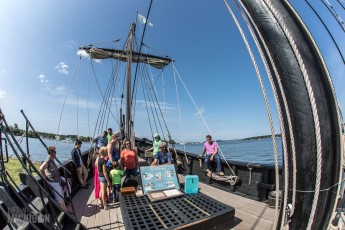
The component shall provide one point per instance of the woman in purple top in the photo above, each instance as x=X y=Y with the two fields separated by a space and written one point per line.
x=211 y=149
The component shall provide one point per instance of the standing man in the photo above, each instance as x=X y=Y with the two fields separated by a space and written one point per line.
x=101 y=140
x=155 y=147
x=78 y=164
x=211 y=149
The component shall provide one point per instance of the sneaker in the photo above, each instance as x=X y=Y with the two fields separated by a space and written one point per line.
x=221 y=174
x=106 y=207
x=209 y=173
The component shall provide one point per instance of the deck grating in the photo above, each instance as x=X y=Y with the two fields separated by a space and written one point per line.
x=249 y=214
x=140 y=213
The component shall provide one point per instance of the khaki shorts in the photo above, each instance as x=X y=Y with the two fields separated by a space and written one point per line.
x=149 y=154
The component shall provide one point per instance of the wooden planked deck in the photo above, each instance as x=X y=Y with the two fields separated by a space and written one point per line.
x=92 y=216
x=249 y=214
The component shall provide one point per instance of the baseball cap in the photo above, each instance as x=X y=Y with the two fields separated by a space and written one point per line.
x=162 y=144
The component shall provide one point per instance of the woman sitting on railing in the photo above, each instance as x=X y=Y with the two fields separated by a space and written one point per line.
x=50 y=172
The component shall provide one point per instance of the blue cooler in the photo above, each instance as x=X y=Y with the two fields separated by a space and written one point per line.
x=191 y=184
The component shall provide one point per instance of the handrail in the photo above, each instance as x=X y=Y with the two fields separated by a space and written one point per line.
x=22 y=198
x=3 y=120
x=40 y=139
x=63 y=166
x=42 y=190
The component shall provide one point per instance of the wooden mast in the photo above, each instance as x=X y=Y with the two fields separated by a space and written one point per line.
x=129 y=83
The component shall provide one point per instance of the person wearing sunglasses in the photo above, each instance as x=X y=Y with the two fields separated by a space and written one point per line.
x=129 y=160
x=50 y=172
x=163 y=157
x=211 y=150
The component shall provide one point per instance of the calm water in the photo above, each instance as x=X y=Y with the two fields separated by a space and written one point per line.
x=254 y=151
x=38 y=152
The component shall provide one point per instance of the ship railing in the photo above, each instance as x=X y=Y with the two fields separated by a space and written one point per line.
x=24 y=159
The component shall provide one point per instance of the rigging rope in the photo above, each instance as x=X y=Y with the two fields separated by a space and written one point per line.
x=165 y=105
x=87 y=105
x=64 y=103
x=264 y=94
x=313 y=106
x=334 y=13
x=149 y=66
x=100 y=91
x=197 y=108
x=180 y=116
x=341 y=3
x=78 y=77
x=328 y=31
x=141 y=43
x=331 y=84
x=154 y=104
x=147 y=110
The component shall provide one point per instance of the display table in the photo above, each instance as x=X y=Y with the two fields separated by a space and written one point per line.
x=192 y=211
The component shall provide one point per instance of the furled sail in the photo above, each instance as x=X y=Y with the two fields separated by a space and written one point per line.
x=122 y=55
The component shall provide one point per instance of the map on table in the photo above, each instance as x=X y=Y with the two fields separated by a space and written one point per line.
x=158 y=178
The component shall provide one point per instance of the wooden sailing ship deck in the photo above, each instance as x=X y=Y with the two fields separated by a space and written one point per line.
x=249 y=214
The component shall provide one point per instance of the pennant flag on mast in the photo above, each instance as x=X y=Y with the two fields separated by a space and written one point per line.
x=143 y=20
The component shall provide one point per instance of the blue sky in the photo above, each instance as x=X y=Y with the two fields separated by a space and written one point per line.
x=38 y=59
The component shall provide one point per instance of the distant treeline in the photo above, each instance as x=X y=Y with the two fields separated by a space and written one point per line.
x=32 y=134
x=260 y=137
x=244 y=139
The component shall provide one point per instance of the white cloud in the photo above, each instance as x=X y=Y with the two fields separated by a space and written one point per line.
x=42 y=78
x=70 y=44
x=2 y=71
x=162 y=105
x=84 y=54
x=2 y=94
x=59 y=90
x=201 y=112
x=62 y=68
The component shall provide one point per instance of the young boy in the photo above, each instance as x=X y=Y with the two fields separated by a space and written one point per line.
x=115 y=175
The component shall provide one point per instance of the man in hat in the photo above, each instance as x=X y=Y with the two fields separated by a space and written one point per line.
x=163 y=157
x=155 y=147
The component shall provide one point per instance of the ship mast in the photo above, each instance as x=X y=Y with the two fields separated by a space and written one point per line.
x=129 y=124
x=130 y=56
